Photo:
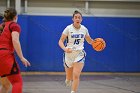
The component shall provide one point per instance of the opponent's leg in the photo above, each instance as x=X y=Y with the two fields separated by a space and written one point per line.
x=16 y=81
x=5 y=85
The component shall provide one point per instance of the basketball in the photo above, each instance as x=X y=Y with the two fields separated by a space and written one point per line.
x=98 y=44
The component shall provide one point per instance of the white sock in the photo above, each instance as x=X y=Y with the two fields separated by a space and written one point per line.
x=72 y=91
x=68 y=83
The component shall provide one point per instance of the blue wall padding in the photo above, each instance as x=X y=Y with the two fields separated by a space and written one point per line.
x=40 y=35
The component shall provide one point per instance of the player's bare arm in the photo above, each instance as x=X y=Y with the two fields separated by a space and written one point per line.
x=88 y=39
x=17 y=46
x=61 y=44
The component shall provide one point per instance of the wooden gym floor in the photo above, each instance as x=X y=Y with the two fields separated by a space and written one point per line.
x=90 y=83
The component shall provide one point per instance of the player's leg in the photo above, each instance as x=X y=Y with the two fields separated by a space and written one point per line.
x=69 y=72
x=5 y=85
x=77 y=68
x=68 y=68
x=16 y=81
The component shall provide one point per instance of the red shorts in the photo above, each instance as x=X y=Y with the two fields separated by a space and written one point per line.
x=8 y=64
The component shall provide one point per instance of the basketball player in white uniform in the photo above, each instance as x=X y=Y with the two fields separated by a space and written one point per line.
x=74 y=55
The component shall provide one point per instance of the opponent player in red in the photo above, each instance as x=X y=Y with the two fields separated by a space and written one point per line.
x=9 y=42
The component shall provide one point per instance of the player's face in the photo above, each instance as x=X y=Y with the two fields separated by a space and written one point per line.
x=77 y=19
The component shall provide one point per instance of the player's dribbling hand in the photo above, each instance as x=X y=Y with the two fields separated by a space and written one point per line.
x=68 y=50
x=25 y=62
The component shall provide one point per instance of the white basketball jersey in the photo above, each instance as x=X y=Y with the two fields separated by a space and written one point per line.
x=75 y=36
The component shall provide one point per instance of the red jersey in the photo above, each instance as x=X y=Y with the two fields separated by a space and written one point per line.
x=5 y=36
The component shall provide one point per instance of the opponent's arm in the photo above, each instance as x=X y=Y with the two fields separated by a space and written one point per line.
x=17 y=47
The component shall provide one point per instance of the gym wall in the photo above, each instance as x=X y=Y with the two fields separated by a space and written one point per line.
x=40 y=35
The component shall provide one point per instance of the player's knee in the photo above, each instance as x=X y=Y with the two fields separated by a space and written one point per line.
x=76 y=75
x=17 y=83
x=17 y=87
x=16 y=80
x=6 y=86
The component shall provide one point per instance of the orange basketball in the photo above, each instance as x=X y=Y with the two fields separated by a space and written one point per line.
x=98 y=44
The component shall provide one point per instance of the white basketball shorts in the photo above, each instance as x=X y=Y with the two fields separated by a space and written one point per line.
x=75 y=56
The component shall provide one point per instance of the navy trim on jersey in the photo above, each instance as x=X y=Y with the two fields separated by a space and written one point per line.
x=66 y=65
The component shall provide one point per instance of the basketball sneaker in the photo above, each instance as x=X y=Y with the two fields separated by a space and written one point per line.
x=68 y=83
